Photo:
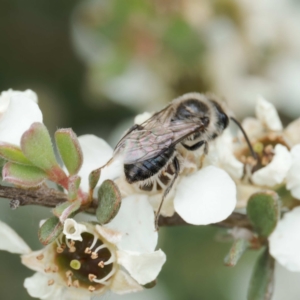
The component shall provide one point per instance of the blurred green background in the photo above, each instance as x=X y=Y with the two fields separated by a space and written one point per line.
x=96 y=64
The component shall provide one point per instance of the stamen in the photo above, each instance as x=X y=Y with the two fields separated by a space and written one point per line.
x=50 y=282
x=94 y=242
x=92 y=277
x=76 y=283
x=101 y=264
x=40 y=257
x=100 y=247
x=108 y=276
x=69 y=273
x=47 y=270
x=87 y=250
x=72 y=249
x=94 y=255
x=91 y=288
x=69 y=283
x=59 y=250
x=111 y=259
x=68 y=243
x=55 y=269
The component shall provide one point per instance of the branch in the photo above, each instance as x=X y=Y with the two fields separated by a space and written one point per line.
x=43 y=196
x=48 y=197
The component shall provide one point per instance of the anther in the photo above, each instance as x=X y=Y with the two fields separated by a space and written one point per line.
x=54 y=269
x=40 y=257
x=59 y=250
x=76 y=283
x=91 y=288
x=101 y=264
x=47 y=270
x=94 y=255
x=69 y=273
x=92 y=277
x=50 y=282
x=87 y=250
x=72 y=249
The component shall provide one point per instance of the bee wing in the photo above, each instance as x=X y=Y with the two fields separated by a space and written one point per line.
x=139 y=145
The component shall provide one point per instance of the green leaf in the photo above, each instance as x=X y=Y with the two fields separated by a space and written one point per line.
x=69 y=149
x=13 y=153
x=50 y=230
x=237 y=250
x=66 y=210
x=263 y=210
x=37 y=147
x=109 y=201
x=74 y=183
x=21 y=175
x=262 y=280
x=94 y=178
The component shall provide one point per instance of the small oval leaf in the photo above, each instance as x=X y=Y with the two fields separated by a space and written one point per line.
x=69 y=149
x=66 y=210
x=50 y=230
x=94 y=178
x=14 y=154
x=37 y=147
x=21 y=175
x=262 y=279
x=263 y=210
x=109 y=201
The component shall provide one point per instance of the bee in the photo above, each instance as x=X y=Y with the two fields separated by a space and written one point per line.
x=150 y=151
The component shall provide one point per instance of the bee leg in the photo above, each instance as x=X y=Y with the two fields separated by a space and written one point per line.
x=194 y=147
x=205 y=152
x=177 y=170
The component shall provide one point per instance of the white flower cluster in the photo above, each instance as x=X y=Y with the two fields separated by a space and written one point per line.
x=120 y=256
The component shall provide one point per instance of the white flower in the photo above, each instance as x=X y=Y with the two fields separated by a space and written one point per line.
x=272 y=145
x=293 y=176
x=285 y=241
x=18 y=110
x=119 y=259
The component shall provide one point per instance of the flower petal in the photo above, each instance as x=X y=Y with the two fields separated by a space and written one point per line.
x=21 y=112
x=267 y=114
x=207 y=196
x=291 y=132
x=96 y=153
x=11 y=241
x=253 y=127
x=143 y=267
x=285 y=241
x=110 y=235
x=37 y=260
x=293 y=176
x=276 y=171
x=37 y=287
x=124 y=284
x=226 y=158
x=7 y=95
x=135 y=220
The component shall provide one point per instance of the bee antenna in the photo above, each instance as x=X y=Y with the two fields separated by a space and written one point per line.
x=246 y=137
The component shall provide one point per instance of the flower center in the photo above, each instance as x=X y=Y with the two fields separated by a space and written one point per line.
x=264 y=149
x=88 y=263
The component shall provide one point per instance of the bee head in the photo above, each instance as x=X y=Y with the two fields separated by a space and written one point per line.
x=191 y=109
